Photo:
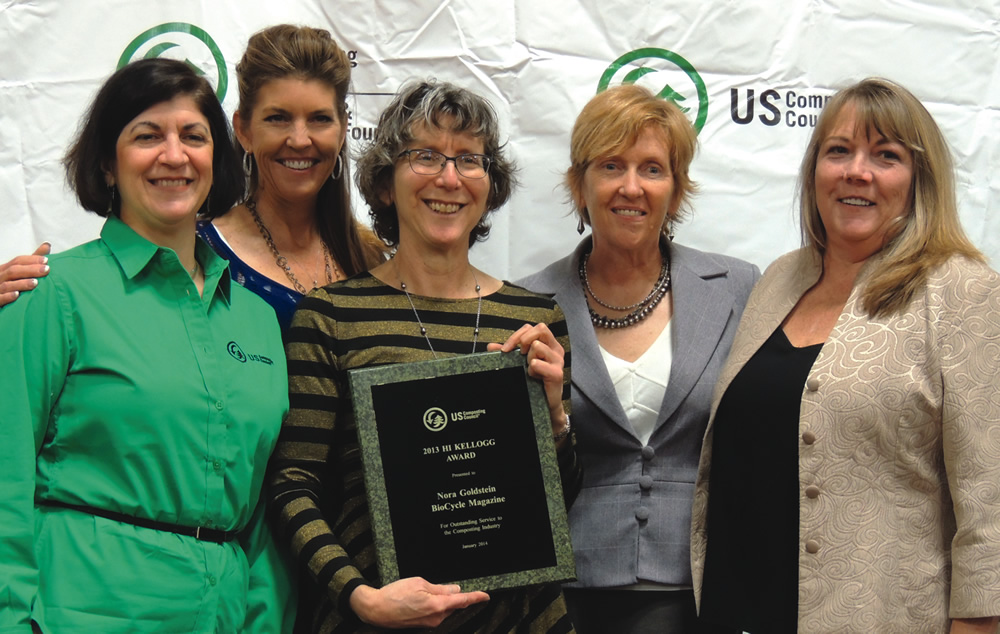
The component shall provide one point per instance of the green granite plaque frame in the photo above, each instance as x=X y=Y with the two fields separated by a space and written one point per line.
x=461 y=472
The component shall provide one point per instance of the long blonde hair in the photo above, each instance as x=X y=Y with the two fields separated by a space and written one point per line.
x=930 y=232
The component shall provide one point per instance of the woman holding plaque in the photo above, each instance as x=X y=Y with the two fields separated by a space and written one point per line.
x=651 y=322
x=432 y=176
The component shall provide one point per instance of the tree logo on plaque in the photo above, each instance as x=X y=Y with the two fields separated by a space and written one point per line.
x=435 y=419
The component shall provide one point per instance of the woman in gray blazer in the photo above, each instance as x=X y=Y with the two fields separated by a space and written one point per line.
x=651 y=323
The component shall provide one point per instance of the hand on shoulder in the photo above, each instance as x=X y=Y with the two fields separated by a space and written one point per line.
x=22 y=273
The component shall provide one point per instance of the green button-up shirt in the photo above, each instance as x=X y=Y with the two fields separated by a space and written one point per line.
x=123 y=389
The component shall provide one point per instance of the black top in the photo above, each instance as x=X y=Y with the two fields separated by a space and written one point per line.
x=751 y=565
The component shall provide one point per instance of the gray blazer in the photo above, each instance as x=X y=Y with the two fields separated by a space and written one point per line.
x=632 y=518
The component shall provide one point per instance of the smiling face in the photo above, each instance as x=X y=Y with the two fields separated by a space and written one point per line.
x=438 y=211
x=295 y=135
x=630 y=194
x=163 y=168
x=863 y=183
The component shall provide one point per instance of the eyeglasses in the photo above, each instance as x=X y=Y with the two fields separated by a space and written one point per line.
x=429 y=163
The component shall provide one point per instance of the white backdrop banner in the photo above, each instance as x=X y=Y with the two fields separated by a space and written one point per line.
x=751 y=76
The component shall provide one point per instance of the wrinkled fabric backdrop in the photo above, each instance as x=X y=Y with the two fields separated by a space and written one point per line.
x=752 y=77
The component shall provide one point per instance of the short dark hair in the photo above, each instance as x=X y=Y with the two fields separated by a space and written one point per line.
x=126 y=94
x=430 y=103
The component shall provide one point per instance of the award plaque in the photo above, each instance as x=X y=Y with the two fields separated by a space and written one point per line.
x=461 y=473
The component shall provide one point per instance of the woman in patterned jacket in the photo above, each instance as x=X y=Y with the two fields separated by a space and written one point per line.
x=850 y=476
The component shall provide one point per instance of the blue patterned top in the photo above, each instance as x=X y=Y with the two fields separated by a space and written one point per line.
x=281 y=298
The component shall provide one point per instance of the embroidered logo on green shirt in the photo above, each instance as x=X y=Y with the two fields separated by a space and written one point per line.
x=236 y=352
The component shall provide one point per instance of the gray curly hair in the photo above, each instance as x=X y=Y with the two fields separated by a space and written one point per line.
x=430 y=103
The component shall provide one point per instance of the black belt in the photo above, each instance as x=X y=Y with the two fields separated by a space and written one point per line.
x=204 y=534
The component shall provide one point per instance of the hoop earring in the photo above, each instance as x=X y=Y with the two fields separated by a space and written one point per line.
x=335 y=175
x=248 y=164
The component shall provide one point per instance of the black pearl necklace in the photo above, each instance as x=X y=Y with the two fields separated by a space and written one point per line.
x=641 y=310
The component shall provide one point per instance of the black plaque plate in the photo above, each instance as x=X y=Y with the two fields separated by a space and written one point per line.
x=461 y=472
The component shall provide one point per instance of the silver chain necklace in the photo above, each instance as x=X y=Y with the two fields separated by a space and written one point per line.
x=642 y=309
x=282 y=261
x=423 y=330
x=664 y=274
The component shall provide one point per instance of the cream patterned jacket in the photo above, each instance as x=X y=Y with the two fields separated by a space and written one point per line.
x=899 y=453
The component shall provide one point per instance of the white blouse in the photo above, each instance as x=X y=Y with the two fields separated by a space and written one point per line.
x=641 y=384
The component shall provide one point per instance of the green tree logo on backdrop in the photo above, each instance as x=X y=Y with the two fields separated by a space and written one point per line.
x=637 y=64
x=185 y=42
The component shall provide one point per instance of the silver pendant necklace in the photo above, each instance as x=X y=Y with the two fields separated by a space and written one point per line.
x=423 y=329
x=332 y=272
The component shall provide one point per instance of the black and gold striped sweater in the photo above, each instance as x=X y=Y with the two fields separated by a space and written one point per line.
x=317 y=489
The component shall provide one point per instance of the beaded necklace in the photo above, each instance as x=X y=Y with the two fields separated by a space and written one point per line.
x=423 y=330
x=640 y=310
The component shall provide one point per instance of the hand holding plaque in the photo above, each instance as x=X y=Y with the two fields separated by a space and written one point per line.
x=412 y=602
x=545 y=360
x=461 y=473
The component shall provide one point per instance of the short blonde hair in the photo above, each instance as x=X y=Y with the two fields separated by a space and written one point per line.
x=930 y=232
x=612 y=121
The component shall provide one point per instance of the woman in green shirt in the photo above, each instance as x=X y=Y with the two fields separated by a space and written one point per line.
x=142 y=390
